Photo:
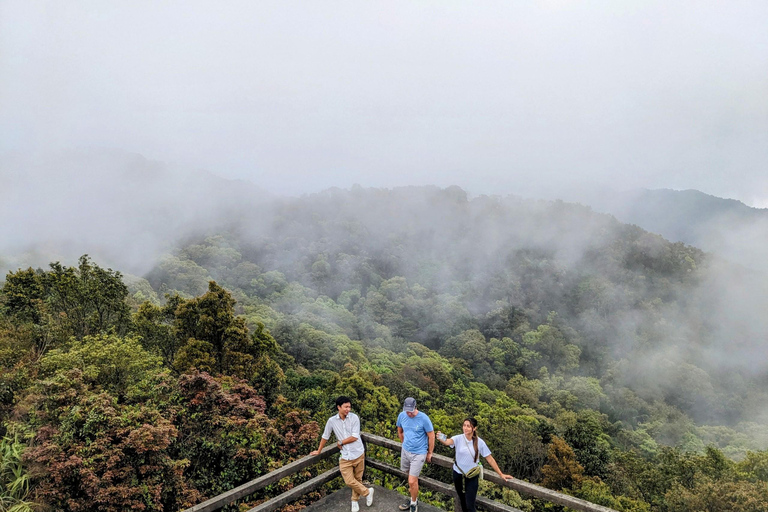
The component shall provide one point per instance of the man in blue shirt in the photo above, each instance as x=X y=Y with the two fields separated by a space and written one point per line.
x=418 y=437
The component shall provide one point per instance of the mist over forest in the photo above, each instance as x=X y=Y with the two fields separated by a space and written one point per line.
x=726 y=227
x=654 y=312
x=547 y=215
x=545 y=318
x=634 y=298
x=119 y=207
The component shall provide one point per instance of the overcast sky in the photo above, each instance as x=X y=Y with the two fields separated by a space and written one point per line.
x=497 y=97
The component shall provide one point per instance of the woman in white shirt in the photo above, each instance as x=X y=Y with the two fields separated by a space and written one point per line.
x=468 y=448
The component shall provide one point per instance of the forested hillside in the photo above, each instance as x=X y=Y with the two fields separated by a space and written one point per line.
x=727 y=227
x=600 y=359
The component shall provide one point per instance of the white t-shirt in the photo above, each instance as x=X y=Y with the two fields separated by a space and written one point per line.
x=465 y=452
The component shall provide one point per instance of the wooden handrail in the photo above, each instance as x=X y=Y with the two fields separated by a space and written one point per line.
x=235 y=494
x=248 y=488
x=297 y=492
x=518 y=485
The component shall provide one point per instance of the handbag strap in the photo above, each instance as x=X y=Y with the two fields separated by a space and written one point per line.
x=455 y=452
x=470 y=450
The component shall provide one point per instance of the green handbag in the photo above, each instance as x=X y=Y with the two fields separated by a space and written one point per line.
x=475 y=471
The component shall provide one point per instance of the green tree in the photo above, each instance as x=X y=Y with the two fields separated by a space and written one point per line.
x=210 y=321
x=557 y=353
x=109 y=362
x=69 y=301
x=584 y=433
x=155 y=325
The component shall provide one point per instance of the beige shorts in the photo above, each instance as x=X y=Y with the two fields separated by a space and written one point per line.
x=412 y=463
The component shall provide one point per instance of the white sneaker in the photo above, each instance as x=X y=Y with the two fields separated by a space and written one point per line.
x=369 y=498
x=355 y=506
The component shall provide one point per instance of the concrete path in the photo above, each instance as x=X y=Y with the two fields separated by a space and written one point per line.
x=384 y=500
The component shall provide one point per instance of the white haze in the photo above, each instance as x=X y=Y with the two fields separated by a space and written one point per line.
x=127 y=211
x=545 y=99
x=120 y=208
x=530 y=98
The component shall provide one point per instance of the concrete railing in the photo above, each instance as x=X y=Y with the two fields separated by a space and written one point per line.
x=297 y=492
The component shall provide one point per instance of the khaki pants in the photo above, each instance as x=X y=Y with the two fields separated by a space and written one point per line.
x=352 y=473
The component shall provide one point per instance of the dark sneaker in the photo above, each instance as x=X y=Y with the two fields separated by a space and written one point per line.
x=414 y=507
x=405 y=506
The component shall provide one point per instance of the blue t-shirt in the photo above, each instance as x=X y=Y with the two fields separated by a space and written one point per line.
x=415 y=432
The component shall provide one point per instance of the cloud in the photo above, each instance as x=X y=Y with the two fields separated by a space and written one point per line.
x=499 y=97
x=122 y=209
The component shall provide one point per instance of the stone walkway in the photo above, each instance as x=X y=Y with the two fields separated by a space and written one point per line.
x=383 y=500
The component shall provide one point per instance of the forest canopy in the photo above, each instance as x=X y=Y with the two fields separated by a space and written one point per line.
x=596 y=356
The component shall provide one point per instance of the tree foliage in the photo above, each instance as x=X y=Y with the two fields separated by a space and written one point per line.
x=573 y=339
x=68 y=301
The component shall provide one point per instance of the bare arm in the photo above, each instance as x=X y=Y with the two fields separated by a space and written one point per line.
x=319 y=448
x=431 y=440
x=324 y=438
x=400 y=434
x=495 y=467
x=448 y=441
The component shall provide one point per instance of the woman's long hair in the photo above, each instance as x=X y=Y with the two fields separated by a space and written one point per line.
x=473 y=422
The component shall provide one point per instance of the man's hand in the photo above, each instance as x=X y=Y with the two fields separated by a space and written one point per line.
x=430 y=444
x=316 y=452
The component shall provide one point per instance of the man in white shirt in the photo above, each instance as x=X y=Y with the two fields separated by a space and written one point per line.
x=346 y=428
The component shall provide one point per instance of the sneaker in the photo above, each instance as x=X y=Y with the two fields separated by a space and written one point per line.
x=355 y=506
x=369 y=498
x=405 y=506
x=414 y=507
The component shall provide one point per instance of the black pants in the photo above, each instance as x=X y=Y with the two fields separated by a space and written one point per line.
x=467 y=490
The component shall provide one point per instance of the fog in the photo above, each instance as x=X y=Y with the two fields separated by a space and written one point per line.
x=122 y=209
x=124 y=124
x=531 y=98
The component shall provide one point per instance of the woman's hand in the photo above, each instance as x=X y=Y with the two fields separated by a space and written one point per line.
x=496 y=468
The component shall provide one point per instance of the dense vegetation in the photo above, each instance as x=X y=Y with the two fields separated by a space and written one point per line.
x=587 y=349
